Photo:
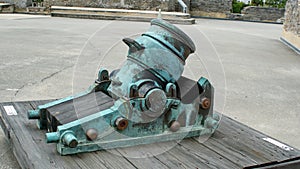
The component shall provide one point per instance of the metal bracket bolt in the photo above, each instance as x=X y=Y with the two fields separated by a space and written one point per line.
x=175 y=126
x=91 y=134
x=205 y=103
x=121 y=123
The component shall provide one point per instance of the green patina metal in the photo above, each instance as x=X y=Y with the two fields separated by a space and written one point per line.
x=152 y=101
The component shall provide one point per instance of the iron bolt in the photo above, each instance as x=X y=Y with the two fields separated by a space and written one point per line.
x=205 y=103
x=92 y=134
x=175 y=126
x=211 y=123
x=156 y=100
x=70 y=140
x=121 y=123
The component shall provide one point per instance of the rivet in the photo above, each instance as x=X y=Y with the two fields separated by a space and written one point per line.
x=92 y=134
x=121 y=123
x=175 y=126
x=205 y=103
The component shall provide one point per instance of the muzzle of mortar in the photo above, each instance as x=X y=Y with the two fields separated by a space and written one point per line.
x=147 y=100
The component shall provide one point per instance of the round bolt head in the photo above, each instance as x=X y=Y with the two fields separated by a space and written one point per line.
x=70 y=140
x=211 y=123
x=121 y=123
x=92 y=134
x=205 y=103
x=156 y=100
x=175 y=126
x=73 y=143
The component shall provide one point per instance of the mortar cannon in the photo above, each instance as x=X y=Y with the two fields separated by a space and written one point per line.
x=147 y=100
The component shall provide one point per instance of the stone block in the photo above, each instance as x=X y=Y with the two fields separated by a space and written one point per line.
x=6 y=8
x=255 y=13
x=212 y=8
x=291 y=26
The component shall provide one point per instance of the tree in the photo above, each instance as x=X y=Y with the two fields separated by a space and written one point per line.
x=257 y=3
x=237 y=6
x=276 y=3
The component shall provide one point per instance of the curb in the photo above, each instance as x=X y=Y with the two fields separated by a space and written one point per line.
x=286 y=42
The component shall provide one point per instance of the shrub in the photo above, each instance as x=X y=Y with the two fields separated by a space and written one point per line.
x=257 y=3
x=237 y=6
x=276 y=3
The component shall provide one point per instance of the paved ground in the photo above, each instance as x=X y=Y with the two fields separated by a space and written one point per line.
x=255 y=75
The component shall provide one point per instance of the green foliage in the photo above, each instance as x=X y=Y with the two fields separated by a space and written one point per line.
x=37 y=0
x=237 y=6
x=276 y=3
x=257 y=2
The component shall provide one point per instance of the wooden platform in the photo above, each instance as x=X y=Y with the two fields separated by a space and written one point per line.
x=234 y=145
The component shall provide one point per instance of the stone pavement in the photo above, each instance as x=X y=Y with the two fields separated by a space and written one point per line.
x=46 y=58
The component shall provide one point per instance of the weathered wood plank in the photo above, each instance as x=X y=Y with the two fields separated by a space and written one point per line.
x=234 y=145
x=289 y=164
x=81 y=107
x=5 y=126
x=21 y=136
x=142 y=156
x=245 y=146
x=185 y=158
x=174 y=155
x=34 y=104
x=32 y=151
x=211 y=158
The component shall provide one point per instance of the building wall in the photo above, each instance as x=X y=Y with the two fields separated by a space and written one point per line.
x=291 y=27
x=211 y=8
x=165 y=5
x=255 y=13
x=18 y=3
x=204 y=8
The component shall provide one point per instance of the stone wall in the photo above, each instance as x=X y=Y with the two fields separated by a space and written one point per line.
x=165 y=5
x=18 y=3
x=203 y=8
x=211 y=8
x=255 y=13
x=291 y=27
